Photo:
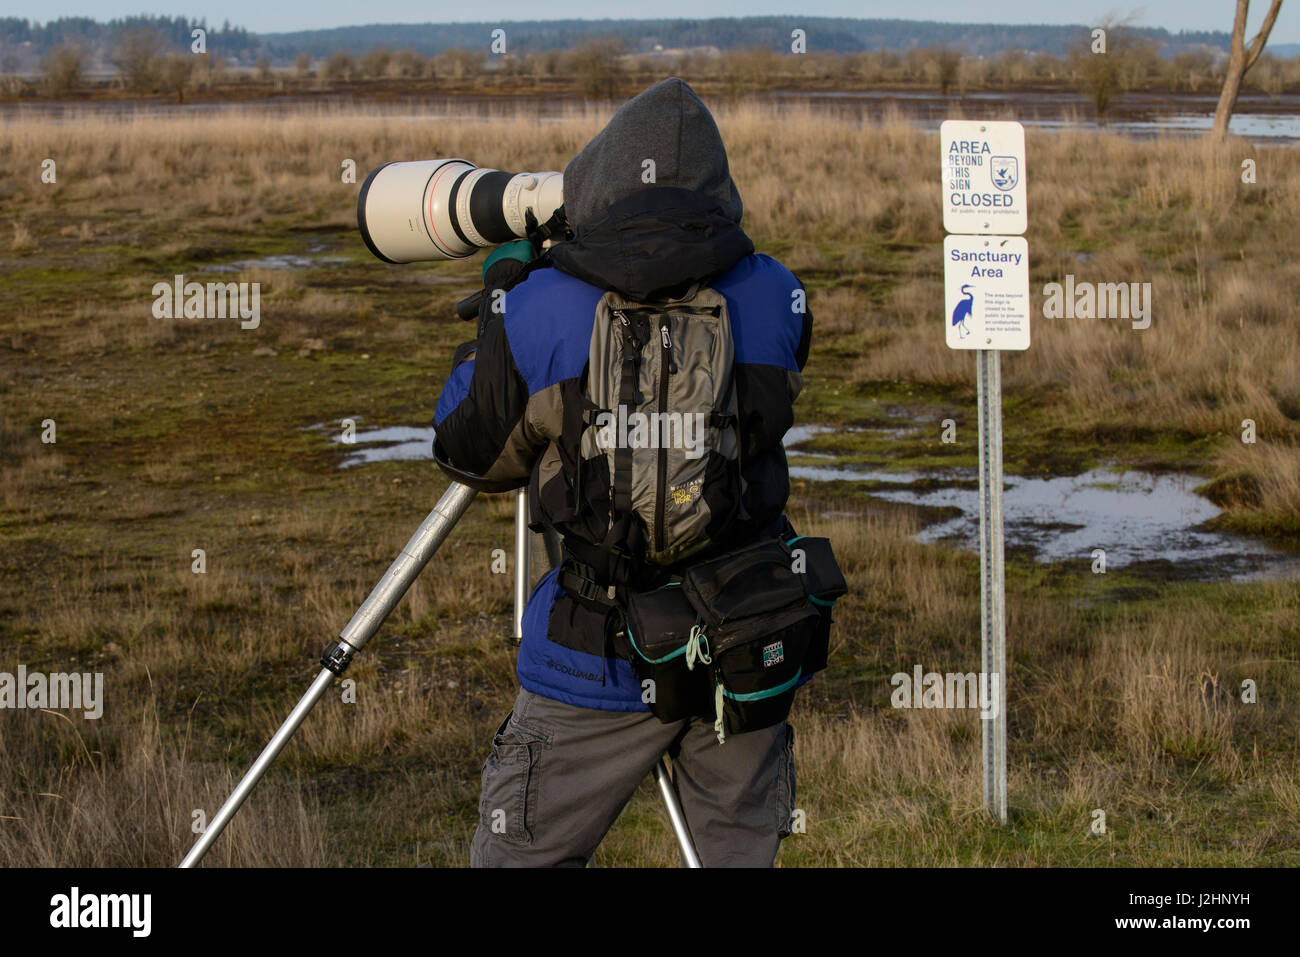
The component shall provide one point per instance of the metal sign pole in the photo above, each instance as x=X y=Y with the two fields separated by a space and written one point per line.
x=986 y=309
x=993 y=630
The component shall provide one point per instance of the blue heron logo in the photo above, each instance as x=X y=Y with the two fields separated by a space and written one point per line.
x=963 y=310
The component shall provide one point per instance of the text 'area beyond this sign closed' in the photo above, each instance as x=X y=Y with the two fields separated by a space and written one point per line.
x=984 y=177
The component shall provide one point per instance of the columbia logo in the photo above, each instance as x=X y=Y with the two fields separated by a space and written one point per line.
x=773 y=654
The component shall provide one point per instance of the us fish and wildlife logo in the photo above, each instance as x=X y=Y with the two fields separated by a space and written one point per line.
x=773 y=654
x=1004 y=171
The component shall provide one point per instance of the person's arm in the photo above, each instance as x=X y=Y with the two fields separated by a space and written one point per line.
x=482 y=436
x=805 y=337
x=480 y=423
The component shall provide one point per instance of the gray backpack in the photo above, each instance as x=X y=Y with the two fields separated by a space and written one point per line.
x=660 y=384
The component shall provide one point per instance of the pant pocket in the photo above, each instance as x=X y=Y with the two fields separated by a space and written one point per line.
x=508 y=804
x=786 y=790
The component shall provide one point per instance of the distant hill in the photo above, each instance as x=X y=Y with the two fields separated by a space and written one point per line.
x=828 y=34
x=23 y=42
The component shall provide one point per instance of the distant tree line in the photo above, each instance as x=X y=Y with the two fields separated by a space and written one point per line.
x=602 y=69
x=153 y=55
x=825 y=35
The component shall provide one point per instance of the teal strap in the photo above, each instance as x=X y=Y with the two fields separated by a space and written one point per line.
x=719 y=693
x=654 y=661
x=770 y=692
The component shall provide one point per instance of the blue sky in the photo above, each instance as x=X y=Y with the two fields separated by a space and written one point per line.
x=263 y=17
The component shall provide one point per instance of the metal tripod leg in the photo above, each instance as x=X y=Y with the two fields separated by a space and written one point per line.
x=523 y=560
x=365 y=622
x=665 y=782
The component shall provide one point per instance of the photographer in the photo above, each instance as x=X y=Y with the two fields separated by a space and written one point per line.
x=656 y=219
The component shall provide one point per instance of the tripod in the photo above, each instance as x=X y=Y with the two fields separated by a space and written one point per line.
x=367 y=619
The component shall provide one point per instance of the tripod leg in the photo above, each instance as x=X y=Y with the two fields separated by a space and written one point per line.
x=433 y=531
x=268 y=755
x=665 y=782
x=523 y=555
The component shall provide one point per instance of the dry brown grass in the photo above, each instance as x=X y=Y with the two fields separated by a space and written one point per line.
x=1133 y=708
x=124 y=795
x=1123 y=717
x=839 y=200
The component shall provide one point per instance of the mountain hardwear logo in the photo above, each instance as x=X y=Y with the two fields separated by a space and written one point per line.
x=773 y=654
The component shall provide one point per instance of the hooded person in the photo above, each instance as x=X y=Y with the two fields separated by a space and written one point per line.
x=655 y=218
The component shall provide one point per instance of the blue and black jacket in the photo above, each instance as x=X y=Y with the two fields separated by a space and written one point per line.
x=512 y=410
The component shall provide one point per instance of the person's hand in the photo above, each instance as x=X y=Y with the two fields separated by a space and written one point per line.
x=501 y=269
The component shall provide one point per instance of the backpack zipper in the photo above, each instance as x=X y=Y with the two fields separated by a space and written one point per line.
x=666 y=368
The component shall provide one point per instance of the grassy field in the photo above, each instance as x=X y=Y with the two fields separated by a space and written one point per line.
x=175 y=435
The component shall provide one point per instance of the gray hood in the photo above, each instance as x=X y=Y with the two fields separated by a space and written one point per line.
x=667 y=123
x=643 y=238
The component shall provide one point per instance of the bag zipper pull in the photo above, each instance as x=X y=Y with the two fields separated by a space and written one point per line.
x=666 y=341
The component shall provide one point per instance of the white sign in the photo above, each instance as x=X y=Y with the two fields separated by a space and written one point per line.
x=984 y=177
x=986 y=292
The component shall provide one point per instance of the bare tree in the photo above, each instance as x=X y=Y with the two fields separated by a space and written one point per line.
x=1192 y=67
x=460 y=63
x=63 y=69
x=949 y=62
x=406 y=63
x=598 y=68
x=1240 y=59
x=175 y=74
x=136 y=59
x=1098 y=75
x=338 y=66
x=375 y=63
x=750 y=70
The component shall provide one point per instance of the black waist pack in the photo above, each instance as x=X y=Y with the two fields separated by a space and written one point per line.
x=815 y=561
x=662 y=629
x=738 y=634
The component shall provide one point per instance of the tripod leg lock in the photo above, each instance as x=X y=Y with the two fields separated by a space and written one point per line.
x=337 y=656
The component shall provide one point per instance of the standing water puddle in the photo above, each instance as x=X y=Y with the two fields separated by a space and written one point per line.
x=388 y=443
x=1136 y=517
x=280 y=261
x=311 y=260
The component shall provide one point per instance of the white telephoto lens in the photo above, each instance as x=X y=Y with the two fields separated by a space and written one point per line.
x=403 y=211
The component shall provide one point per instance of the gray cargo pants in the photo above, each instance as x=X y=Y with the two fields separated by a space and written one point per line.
x=558 y=776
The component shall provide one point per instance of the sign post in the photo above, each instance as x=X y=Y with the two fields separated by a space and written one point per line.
x=986 y=296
